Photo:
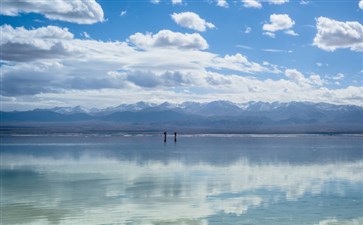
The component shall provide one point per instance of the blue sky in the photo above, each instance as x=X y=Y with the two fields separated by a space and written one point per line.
x=104 y=53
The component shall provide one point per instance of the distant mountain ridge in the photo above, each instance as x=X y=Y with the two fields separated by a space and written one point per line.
x=214 y=108
x=212 y=115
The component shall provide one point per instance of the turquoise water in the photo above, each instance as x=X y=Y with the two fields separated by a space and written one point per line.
x=201 y=179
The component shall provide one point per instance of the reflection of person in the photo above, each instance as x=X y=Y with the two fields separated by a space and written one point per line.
x=174 y=136
x=164 y=136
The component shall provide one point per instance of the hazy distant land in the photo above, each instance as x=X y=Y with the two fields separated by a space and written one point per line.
x=189 y=117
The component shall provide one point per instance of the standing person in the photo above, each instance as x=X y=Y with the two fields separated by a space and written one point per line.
x=164 y=136
x=174 y=136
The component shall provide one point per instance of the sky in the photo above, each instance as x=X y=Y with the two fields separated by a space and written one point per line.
x=108 y=52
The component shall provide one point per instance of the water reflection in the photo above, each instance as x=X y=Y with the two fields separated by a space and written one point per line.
x=88 y=188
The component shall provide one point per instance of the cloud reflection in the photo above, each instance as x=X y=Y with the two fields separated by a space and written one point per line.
x=99 y=190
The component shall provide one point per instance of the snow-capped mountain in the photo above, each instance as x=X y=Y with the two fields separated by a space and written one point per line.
x=138 y=106
x=73 y=110
x=214 y=108
x=220 y=115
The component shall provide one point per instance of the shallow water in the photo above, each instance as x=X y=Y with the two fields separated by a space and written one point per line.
x=201 y=179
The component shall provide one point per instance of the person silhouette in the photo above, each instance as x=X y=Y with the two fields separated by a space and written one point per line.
x=164 y=136
x=174 y=136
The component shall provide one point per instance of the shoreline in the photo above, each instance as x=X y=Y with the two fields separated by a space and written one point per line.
x=171 y=134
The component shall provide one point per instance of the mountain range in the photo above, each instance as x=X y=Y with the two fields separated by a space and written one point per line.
x=217 y=115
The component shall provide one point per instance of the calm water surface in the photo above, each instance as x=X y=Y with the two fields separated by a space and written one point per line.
x=201 y=179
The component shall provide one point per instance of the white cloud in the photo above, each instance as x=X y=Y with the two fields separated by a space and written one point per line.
x=279 y=22
x=270 y=34
x=47 y=66
x=319 y=64
x=20 y=44
x=175 y=2
x=86 y=35
x=155 y=1
x=169 y=39
x=222 y=3
x=339 y=76
x=49 y=56
x=87 y=67
x=192 y=21
x=361 y=4
x=76 y=11
x=315 y=79
x=149 y=79
x=332 y=34
x=251 y=3
x=304 y=2
x=273 y=50
x=240 y=63
x=277 y=2
x=123 y=13
x=298 y=78
x=295 y=75
x=44 y=34
x=257 y=3
x=248 y=30
x=232 y=88
x=291 y=32
x=244 y=47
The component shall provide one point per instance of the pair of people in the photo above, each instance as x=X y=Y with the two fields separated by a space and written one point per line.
x=165 y=136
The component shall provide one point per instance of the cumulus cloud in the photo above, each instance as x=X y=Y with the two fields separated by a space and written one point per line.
x=222 y=3
x=240 y=62
x=38 y=72
x=298 y=78
x=257 y=3
x=270 y=34
x=192 y=21
x=251 y=3
x=23 y=35
x=75 y=11
x=144 y=77
x=80 y=65
x=315 y=79
x=175 y=2
x=231 y=87
x=332 y=35
x=169 y=39
x=338 y=76
x=279 y=22
x=291 y=32
x=361 y=4
x=294 y=75
x=149 y=79
x=20 y=44
x=45 y=60
x=35 y=78
x=277 y=2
